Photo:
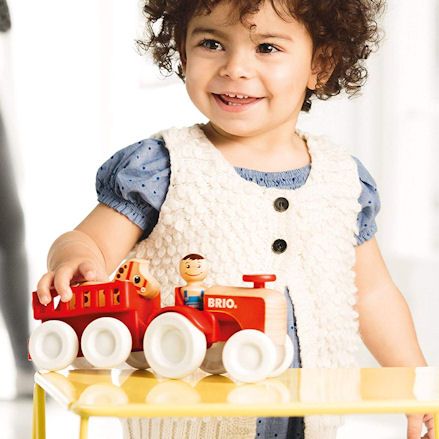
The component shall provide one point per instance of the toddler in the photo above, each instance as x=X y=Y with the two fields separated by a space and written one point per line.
x=252 y=193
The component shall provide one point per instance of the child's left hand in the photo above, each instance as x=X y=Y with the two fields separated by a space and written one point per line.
x=414 y=426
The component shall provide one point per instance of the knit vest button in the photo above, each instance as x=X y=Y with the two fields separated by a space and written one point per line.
x=281 y=204
x=279 y=246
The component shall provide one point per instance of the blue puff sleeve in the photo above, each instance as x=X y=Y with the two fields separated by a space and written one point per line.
x=370 y=203
x=134 y=182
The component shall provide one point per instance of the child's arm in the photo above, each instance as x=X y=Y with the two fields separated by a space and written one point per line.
x=386 y=325
x=90 y=252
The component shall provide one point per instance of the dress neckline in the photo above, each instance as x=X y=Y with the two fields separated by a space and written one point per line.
x=307 y=138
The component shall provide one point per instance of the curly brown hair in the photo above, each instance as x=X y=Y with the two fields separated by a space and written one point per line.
x=344 y=32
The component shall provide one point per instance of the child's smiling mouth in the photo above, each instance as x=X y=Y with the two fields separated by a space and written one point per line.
x=234 y=104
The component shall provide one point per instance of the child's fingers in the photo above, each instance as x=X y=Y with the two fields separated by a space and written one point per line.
x=414 y=426
x=90 y=272
x=43 y=288
x=62 y=277
x=429 y=423
x=61 y=282
x=87 y=270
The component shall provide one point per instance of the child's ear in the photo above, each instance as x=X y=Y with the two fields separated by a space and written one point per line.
x=323 y=64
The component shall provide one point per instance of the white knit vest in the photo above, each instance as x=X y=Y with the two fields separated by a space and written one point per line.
x=211 y=210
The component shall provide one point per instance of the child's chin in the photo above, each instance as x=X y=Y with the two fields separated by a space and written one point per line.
x=240 y=128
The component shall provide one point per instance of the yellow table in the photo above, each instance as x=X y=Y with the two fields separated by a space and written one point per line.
x=298 y=392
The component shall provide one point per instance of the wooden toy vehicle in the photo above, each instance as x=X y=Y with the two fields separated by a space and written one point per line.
x=241 y=331
x=108 y=318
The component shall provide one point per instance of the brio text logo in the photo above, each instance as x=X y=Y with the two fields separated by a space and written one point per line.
x=217 y=302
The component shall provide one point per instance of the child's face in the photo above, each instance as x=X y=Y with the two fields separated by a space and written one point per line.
x=272 y=68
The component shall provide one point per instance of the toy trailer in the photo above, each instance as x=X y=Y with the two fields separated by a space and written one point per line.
x=103 y=322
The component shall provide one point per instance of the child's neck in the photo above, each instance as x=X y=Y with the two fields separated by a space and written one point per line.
x=271 y=155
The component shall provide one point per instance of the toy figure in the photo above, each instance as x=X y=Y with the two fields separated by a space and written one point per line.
x=193 y=269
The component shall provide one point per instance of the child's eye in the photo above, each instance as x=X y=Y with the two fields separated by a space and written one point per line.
x=205 y=43
x=268 y=45
x=209 y=43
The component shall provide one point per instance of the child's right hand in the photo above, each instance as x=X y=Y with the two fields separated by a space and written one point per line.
x=68 y=273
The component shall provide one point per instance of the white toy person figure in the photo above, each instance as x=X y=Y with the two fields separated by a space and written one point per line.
x=193 y=269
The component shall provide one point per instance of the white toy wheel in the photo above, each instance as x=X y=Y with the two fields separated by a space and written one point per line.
x=175 y=392
x=103 y=394
x=53 y=345
x=106 y=342
x=137 y=360
x=213 y=361
x=249 y=356
x=173 y=346
x=285 y=357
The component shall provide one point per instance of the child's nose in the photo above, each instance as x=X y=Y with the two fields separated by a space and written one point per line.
x=237 y=65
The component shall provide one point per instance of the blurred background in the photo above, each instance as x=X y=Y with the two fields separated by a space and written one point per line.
x=73 y=90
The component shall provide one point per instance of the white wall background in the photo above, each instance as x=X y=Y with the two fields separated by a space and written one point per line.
x=74 y=90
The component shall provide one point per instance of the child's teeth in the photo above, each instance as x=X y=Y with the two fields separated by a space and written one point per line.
x=231 y=99
x=236 y=96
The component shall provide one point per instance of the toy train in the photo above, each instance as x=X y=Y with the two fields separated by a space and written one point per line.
x=239 y=331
